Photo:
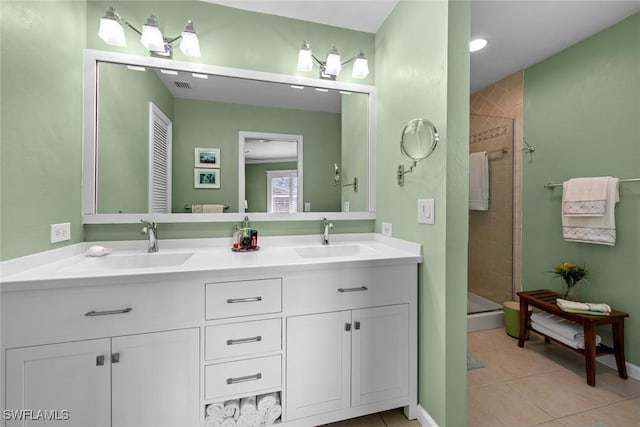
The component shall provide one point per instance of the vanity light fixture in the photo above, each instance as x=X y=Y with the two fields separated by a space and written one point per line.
x=477 y=44
x=112 y=32
x=330 y=68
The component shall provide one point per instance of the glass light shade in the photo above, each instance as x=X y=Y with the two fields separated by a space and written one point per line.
x=111 y=31
x=360 y=67
x=333 y=65
x=151 y=37
x=189 y=44
x=305 y=58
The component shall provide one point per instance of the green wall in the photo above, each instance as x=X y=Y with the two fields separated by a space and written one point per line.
x=423 y=71
x=216 y=125
x=581 y=111
x=41 y=80
x=355 y=151
x=123 y=136
x=256 y=183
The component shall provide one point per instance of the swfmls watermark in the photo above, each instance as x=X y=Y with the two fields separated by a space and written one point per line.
x=36 y=415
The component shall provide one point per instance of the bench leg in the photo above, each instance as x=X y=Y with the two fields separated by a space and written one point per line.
x=524 y=310
x=590 y=352
x=618 y=348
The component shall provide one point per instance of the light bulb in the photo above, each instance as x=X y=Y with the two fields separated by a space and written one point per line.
x=333 y=65
x=305 y=58
x=110 y=29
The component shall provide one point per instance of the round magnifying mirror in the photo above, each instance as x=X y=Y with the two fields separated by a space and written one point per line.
x=418 y=140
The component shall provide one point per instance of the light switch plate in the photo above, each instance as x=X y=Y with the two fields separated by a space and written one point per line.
x=60 y=232
x=307 y=206
x=426 y=211
x=387 y=229
x=346 y=207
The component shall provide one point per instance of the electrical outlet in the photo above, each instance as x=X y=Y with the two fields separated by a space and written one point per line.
x=60 y=232
x=307 y=206
x=387 y=229
x=346 y=207
x=426 y=211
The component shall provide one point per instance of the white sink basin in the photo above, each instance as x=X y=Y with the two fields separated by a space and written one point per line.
x=129 y=261
x=328 y=251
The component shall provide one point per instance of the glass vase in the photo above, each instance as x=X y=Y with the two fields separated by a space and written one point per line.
x=571 y=293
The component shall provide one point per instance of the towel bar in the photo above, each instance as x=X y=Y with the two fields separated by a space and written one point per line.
x=550 y=185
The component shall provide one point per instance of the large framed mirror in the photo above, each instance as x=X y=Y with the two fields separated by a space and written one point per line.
x=174 y=141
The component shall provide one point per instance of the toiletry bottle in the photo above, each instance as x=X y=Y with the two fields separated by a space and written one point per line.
x=254 y=239
x=235 y=239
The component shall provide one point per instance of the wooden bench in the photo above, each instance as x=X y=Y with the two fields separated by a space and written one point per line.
x=545 y=300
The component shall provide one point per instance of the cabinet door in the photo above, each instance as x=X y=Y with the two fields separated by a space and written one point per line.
x=155 y=379
x=318 y=364
x=380 y=354
x=68 y=378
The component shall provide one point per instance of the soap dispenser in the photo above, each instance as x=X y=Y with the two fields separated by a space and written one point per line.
x=235 y=238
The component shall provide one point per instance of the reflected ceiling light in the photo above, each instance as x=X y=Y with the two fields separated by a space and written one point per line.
x=112 y=32
x=200 y=76
x=136 y=68
x=321 y=89
x=170 y=72
x=344 y=92
x=330 y=68
x=477 y=44
x=297 y=87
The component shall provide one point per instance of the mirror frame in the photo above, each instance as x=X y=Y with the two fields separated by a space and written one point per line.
x=91 y=58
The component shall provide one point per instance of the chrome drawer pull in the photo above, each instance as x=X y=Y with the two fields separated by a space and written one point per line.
x=244 y=340
x=108 y=312
x=360 y=289
x=237 y=300
x=244 y=379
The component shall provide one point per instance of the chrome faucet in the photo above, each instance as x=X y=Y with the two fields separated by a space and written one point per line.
x=151 y=229
x=327 y=226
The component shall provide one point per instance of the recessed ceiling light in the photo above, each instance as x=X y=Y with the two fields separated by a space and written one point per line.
x=200 y=76
x=344 y=92
x=297 y=87
x=170 y=72
x=477 y=44
x=321 y=89
x=136 y=68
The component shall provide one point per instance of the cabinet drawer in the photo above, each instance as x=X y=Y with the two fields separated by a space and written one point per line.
x=245 y=376
x=239 y=339
x=243 y=298
x=76 y=313
x=349 y=288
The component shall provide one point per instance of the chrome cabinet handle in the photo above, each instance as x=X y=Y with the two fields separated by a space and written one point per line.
x=356 y=325
x=99 y=360
x=93 y=313
x=237 y=300
x=360 y=289
x=244 y=340
x=115 y=358
x=347 y=327
x=244 y=379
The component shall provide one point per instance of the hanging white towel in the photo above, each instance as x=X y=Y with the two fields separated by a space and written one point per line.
x=212 y=208
x=594 y=229
x=585 y=196
x=479 y=181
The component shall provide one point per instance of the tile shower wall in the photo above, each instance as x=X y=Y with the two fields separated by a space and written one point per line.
x=505 y=99
x=490 y=272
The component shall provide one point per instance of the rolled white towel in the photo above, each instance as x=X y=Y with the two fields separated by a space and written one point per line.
x=216 y=411
x=273 y=413
x=253 y=420
x=248 y=406
x=212 y=422
x=228 y=422
x=266 y=401
x=232 y=408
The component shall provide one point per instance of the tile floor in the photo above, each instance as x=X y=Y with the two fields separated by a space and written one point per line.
x=542 y=385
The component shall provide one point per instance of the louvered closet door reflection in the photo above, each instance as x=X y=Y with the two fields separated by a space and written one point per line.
x=160 y=129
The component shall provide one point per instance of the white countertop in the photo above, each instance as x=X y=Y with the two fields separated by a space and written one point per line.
x=279 y=253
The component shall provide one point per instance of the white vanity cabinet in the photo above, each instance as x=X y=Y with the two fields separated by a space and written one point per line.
x=119 y=355
x=119 y=382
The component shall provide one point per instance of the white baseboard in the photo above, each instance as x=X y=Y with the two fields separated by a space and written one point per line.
x=482 y=321
x=610 y=361
x=425 y=419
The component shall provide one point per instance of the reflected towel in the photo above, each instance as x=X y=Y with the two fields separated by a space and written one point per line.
x=228 y=422
x=585 y=196
x=248 y=406
x=212 y=208
x=212 y=422
x=273 y=413
x=250 y=420
x=479 y=181
x=595 y=229
x=266 y=401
